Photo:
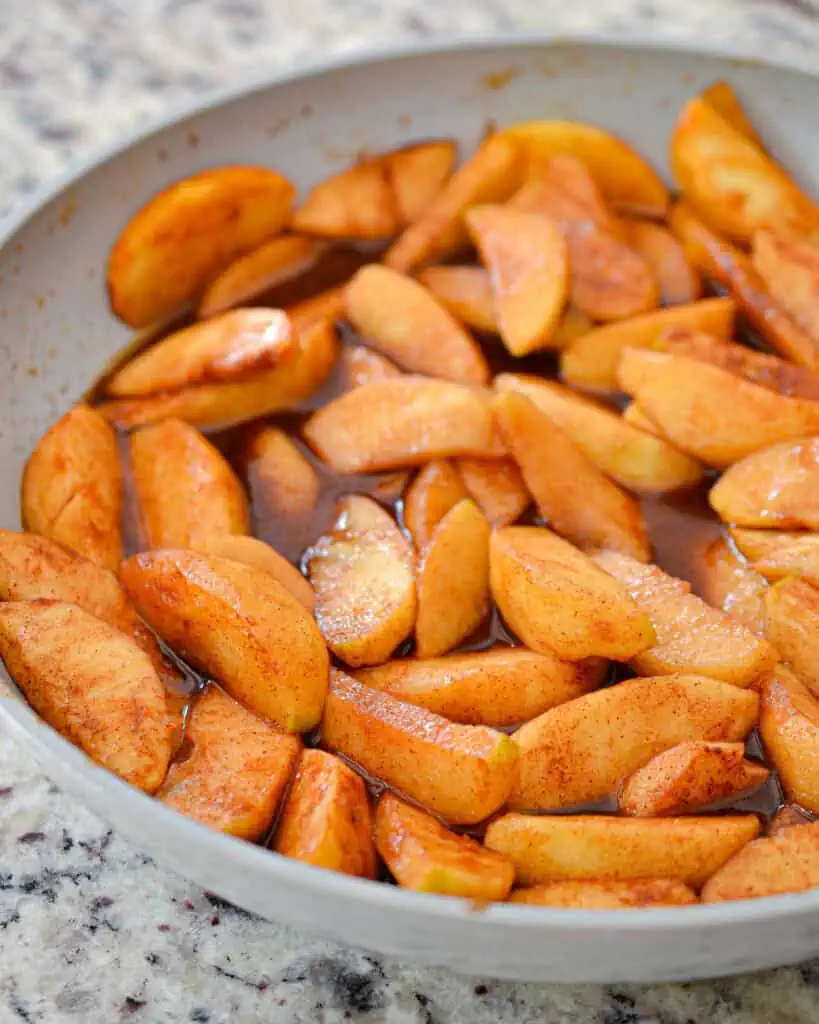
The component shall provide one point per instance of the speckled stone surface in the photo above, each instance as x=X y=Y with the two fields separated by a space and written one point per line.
x=91 y=930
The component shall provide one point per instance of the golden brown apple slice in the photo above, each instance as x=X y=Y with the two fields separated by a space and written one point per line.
x=558 y=601
x=497 y=488
x=404 y=321
x=621 y=451
x=594 y=894
x=359 y=365
x=721 y=96
x=788 y=862
x=327 y=307
x=282 y=481
x=792 y=612
x=358 y=202
x=418 y=173
x=258 y=555
x=72 y=489
x=788 y=554
x=425 y=856
x=185 y=487
x=691 y=636
x=490 y=175
x=573 y=325
x=389 y=424
x=499 y=687
x=528 y=265
x=326 y=820
x=93 y=684
x=453 y=581
x=546 y=849
x=677 y=280
x=634 y=416
x=571 y=494
x=435 y=490
x=790 y=270
x=238 y=624
x=364 y=584
x=591 y=361
x=758 y=546
x=691 y=775
x=465 y=291
x=789 y=727
x=462 y=773
x=236 y=769
x=727 y=582
x=561 y=188
x=582 y=750
x=775 y=487
x=190 y=232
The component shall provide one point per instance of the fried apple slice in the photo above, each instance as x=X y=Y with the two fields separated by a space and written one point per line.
x=465 y=291
x=188 y=234
x=363 y=580
x=238 y=624
x=326 y=820
x=570 y=492
x=490 y=175
x=789 y=727
x=691 y=636
x=691 y=775
x=72 y=489
x=582 y=750
x=404 y=321
x=228 y=403
x=528 y=265
x=626 y=179
x=775 y=487
x=359 y=365
x=417 y=174
x=721 y=96
x=727 y=582
x=497 y=488
x=462 y=773
x=759 y=545
x=283 y=483
x=602 y=894
x=792 y=613
x=258 y=555
x=787 y=554
x=423 y=855
x=453 y=580
x=327 y=307
x=591 y=361
x=93 y=684
x=787 y=862
x=790 y=270
x=583 y=846
x=185 y=487
x=358 y=202
x=677 y=280
x=389 y=424
x=635 y=417
x=561 y=188
x=499 y=687
x=558 y=601
x=435 y=491
x=236 y=769
x=626 y=454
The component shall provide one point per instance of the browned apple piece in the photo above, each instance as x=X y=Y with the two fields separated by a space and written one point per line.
x=789 y=727
x=490 y=175
x=359 y=365
x=582 y=750
x=453 y=580
x=425 y=856
x=188 y=234
x=235 y=770
x=591 y=361
x=499 y=687
x=327 y=307
x=418 y=173
x=571 y=494
x=528 y=265
x=787 y=554
x=258 y=555
x=497 y=488
x=691 y=775
x=404 y=321
x=561 y=188
x=238 y=624
x=635 y=417
x=326 y=820
x=358 y=202
x=726 y=581
x=578 y=847
x=787 y=862
x=364 y=584
x=72 y=490
x=676 y=279
x=462 y=773
x=435 y=490
x=691 y=636
x=283 y=483
x=602 y=894
x=790 y=270
x=792 y=612
x=389 y=424
x=777 y=487
x=721 y=96
x=465 y=291
x=93 y=684
x=761 y=545
x=558 y=601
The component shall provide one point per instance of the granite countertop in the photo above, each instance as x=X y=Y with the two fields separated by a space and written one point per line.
x=91 y=930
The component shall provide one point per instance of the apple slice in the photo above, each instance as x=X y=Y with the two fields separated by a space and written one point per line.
x=283 y=483
x=355 y=203
x=787 y=862
x=607 y=894
x=760 y=545
x=561 y=188
x=792 y=612
x=359 y=365
x=790 y=270
x=722 y=98
x=726 y=581
x=497 y=488
x=787 y=554
x=789 y=727
x=677 y=280
x=418 y=173
x=257 y=554
x=465 y=291
x=435 y=491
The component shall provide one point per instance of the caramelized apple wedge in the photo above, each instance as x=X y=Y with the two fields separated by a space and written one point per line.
x=792 y=614
x=790 y=270
x=558 y=601
x=465 y=291
x=363 y=580
x=760 y=545
x=607 y=894
x=691 y=775
x=786 y=554
x=727 y=582
x=326 y=820
x=236 y=770
x=561 y=188
x=425 y=856
x=528 y=265
x=499 y=687
x=497 y=488
x=690 y=635
x=284 y=486
x=239 y=625
x=722 y=97
x=190 y=232
x=358 y=202
x=185 y=487
x=789 y=727
x=359 y=365
x=582 y=750
x=677 y=280
x=571 y=494
x=389 y=424
x=787 y=862
x=258 y=555
x=462 y=773
x=418 y=174
x=435 y=491
x=453 y=580
x=93 y=684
